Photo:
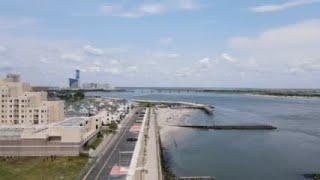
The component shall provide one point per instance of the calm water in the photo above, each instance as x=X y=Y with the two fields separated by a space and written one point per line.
x=283 y=154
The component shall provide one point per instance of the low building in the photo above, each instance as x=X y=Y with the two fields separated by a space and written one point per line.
x=65 y=138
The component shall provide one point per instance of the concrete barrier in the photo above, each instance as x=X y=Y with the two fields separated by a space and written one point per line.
x=138 y=147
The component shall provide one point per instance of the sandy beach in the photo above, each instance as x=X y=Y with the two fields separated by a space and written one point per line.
x=166 y=117
x=169 y=116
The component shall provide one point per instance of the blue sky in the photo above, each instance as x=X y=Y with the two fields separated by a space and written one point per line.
x=200 y=43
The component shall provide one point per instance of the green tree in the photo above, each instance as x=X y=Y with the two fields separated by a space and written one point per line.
x=78 y=96
x=113 y=126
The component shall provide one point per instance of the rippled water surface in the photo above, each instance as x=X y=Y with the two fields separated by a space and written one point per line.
x=283 y=154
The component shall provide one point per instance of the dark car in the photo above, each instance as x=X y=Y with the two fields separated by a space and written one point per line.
x=132 y=139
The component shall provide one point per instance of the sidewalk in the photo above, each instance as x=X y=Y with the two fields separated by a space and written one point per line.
x=152 y=165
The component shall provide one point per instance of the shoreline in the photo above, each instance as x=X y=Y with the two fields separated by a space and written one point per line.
x=167 y=117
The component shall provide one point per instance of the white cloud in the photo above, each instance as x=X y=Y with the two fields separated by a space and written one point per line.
x=166 y=40
x=13 y=23
x=2 y=49
x=94 y=69
x=115 y=50
x=300 y=36
x=173 y=55
x=72 y=57
x=198 y=68
x=184 y=72
x=107 y=9
x=115 y=62
x=306 y=66
x=205 y=63
x=44 y=60
x=155 y=8
x=223 y=66
x=188 y=4
x=133 y=69
x=93 y=50
x=227 y=57
x=283 y=6
x=113 y=70
x=6 y=67
x=163 y=55
x=124 y=10
x=36 y=59
x=279 y=52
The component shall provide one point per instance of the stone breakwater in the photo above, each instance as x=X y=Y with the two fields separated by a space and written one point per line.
x=231 y=127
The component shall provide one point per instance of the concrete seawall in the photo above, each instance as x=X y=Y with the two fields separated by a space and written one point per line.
x=135 y=169
x=146 y=160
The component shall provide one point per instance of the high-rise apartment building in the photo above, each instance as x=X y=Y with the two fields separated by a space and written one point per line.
x=75 y=83
x=19 y=105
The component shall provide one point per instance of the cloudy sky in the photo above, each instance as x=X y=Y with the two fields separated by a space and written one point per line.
x=190 y=43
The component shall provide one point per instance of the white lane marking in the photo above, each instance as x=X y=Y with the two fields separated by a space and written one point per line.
x=114 y=149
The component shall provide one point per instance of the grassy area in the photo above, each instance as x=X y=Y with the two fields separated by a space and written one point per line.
x=98 y=140
x=39 y=168
x=96 y=143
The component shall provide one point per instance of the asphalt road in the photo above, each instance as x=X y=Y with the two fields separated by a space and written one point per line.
x=111 y=155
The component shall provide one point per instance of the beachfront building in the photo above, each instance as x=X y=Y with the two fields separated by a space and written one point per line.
x=62 y=138
x=19 y=105
x=116 y=115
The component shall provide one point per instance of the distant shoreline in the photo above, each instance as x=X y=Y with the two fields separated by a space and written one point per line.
x=269 y=93
x=306 y=93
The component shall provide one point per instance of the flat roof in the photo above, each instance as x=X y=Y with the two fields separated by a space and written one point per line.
x=72 y=121
x=10 y=134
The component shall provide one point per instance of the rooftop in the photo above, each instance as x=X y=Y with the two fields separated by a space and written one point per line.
x=72 y=121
